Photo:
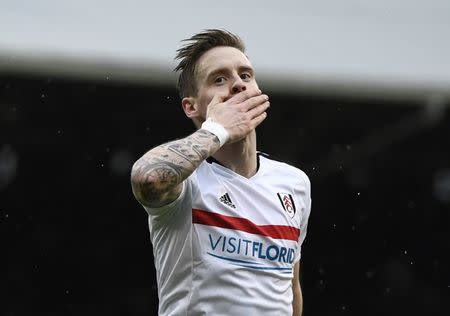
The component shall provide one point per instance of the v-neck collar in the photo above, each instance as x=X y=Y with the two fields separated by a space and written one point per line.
x=230 y=173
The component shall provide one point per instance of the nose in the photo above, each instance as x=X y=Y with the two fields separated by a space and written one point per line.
x=238 y=86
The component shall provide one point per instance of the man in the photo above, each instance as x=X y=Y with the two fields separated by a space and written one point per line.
x=226 y=222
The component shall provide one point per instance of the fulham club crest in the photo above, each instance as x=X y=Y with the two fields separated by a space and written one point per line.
x=288 y=203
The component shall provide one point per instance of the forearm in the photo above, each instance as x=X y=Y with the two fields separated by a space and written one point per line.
x=297 y=304
x=157 y=175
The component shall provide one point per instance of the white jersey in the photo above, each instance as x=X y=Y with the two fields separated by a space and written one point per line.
x=228 y=244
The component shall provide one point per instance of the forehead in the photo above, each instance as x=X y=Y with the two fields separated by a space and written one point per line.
x=221 y=57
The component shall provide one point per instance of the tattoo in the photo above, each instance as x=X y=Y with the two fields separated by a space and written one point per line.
x=162 y=169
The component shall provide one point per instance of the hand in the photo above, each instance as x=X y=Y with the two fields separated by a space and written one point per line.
x=240 y=114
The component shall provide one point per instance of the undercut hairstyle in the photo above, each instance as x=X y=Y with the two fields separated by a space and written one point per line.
x=190 y=53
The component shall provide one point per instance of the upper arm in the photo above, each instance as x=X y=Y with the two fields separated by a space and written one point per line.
x=157 y=177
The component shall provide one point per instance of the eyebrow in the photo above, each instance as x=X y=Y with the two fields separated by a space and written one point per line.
x=225 y=70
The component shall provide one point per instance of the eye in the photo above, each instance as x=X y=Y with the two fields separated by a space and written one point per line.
x=245 y=76
x=220 y=79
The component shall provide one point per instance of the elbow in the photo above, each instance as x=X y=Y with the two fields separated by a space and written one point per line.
x=143 y=185
x=154 y=184
x=145 y=192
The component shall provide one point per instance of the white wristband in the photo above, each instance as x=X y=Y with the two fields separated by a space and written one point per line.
x=217 y=129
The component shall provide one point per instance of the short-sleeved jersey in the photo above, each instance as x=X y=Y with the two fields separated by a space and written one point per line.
x=228 y=244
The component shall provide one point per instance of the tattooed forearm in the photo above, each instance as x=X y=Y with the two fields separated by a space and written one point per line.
x=156 y=176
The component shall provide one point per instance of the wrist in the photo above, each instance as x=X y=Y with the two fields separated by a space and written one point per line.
x=216 y=129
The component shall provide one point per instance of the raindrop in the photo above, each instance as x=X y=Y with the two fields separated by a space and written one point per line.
x=405 y=252
x=359 y=193
x=42 y=95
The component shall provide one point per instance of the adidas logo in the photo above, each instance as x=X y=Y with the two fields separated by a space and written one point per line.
x=226 y=200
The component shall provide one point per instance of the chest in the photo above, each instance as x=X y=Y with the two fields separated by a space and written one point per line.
x=254 y=225
x=268 y=201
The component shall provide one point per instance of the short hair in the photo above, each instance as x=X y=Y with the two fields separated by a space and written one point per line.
x=191 y=52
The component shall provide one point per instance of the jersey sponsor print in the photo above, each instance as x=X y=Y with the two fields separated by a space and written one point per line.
x=238 y=241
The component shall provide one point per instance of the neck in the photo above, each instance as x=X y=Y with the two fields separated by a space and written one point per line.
x=239 y=156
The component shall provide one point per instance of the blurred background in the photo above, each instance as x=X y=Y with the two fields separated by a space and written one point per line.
x=360 y=95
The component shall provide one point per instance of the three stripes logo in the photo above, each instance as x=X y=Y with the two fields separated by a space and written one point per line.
x=226 y=200
x=288 y=203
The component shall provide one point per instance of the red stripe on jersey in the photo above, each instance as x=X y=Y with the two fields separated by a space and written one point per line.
x=242 y=224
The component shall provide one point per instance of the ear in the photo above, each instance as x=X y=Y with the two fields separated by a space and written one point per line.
x=190 y=107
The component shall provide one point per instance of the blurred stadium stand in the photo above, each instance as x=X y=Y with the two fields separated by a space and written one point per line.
x=76 y=242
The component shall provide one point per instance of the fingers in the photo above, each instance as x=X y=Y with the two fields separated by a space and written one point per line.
x=258 y=120
x=218 y=98
x=254 y=102
x=246 y=99
x=258 y=110
x=244 y=95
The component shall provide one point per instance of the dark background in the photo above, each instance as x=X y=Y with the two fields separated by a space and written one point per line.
x=75 y=242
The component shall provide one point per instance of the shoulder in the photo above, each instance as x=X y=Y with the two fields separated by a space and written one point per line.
x=282 y=168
